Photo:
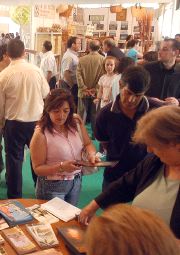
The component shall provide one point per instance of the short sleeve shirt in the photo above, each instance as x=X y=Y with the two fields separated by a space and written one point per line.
x=69 y=62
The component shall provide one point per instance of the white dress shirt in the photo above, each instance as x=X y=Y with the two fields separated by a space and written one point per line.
x=48 y=64
x=22 y=90
x=69 y=62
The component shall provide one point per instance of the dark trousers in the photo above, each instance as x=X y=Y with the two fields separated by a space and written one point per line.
x=87 y=110
x=16 y=135
x=52 y=83
x=73 y=90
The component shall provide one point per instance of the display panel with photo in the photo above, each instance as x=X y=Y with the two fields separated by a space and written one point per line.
x=95 y=34
x=99 y=26
x=113 y=26
x=123 y=37
x=121 y=16
x=136 y=29
x=137 y=36
x=102 y=34
x=124 y=25
x=96 y=17
x=112 y=33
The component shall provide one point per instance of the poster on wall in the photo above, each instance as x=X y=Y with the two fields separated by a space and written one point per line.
x=124 y=25
x=121 y=16
x=99 y=26
x=112 y=33
x=113 y=26
x=96 y=18
x=136 y=29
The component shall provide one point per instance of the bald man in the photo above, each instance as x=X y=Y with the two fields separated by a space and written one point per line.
x=89 y=70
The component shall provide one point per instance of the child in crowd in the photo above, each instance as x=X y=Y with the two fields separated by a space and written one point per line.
x=104 y=95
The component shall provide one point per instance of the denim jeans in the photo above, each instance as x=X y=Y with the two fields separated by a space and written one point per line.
x=68 y=190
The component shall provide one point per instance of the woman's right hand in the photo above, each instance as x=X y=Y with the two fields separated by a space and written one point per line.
x=69 y=166
x=88 y=212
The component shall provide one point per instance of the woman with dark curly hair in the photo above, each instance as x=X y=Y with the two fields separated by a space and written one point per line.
x=55 y=147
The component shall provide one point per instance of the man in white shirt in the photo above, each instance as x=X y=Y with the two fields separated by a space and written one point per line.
x=22 y=90
x=69 y=64
x=48 y=64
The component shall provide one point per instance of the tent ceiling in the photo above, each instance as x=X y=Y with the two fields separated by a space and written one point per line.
x=56 y=2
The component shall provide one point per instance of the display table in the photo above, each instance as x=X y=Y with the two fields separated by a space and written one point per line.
x=61 y=247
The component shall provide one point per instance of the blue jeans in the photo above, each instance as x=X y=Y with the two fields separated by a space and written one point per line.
x=68 y=190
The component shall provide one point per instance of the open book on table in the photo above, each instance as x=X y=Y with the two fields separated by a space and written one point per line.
x=61 y=209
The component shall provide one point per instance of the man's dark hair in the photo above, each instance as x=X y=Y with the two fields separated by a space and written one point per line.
x=94 y=45
x=131 y=43
x=3 y=51
x=124 y=63
x=47 y=45
x=177 y=35
x=136 y=78
x=15 y=48
x=70 y=41
x=175 y=43
x=151 y=56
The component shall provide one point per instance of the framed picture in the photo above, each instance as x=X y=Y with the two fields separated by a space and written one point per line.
x=124 y=25
x=102 y=34
x=99 y=26
x=136 y=29
x=112 y=33
x=137 y=36
x=96 y=17
x=123 y=37
x=121 y=16
x=95 y=34
x=113 y=26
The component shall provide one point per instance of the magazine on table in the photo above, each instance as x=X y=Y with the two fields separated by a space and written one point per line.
x=14 y=213
x=18 y=240
x=51 y=251
x=61 y=209
x=42 y=215
x=73 y=237
x=43 y=234
x=3 y=223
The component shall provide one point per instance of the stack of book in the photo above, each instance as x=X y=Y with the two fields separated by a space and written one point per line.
x=14 y=213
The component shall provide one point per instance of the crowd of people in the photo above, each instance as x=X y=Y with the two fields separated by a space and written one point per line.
x=133 y=108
